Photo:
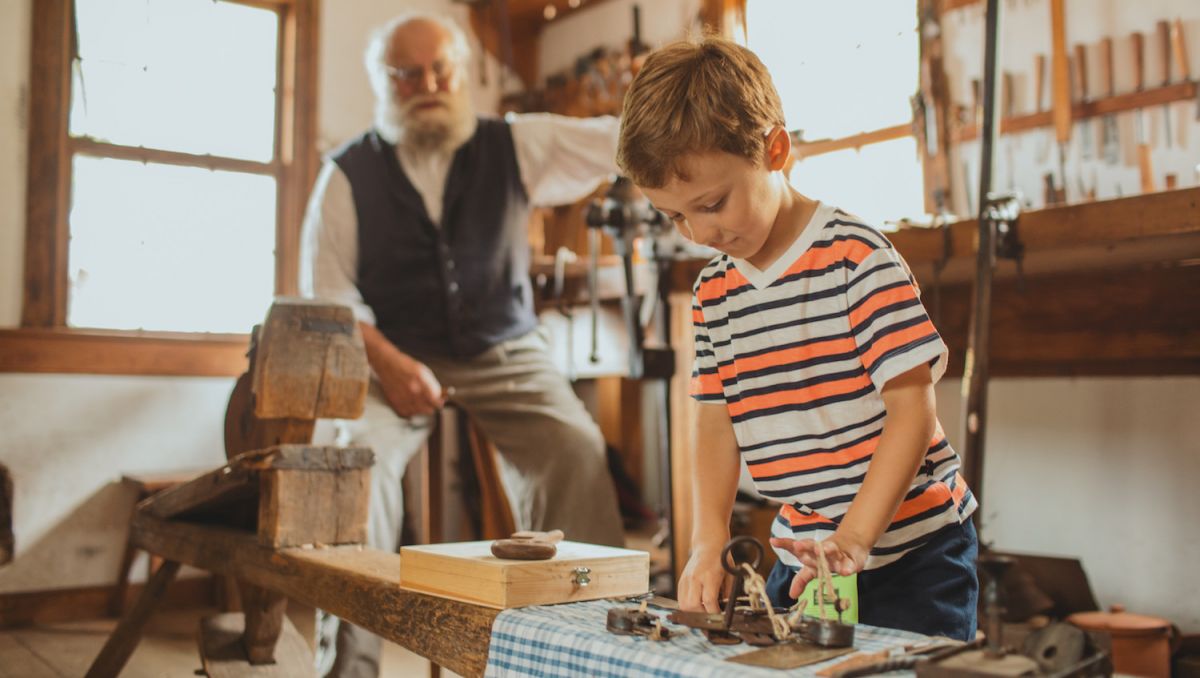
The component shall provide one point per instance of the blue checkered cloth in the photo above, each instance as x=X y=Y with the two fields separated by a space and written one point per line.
x=571 y=640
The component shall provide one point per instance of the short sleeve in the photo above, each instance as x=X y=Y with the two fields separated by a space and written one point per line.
x=706 y=380
x=891 y=330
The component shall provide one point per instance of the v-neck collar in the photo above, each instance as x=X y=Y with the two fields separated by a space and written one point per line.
x=764 y=279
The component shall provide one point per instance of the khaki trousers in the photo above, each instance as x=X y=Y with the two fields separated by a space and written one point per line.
x=552 y=459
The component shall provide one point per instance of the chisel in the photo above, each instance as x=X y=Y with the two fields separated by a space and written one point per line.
x=1039 y=91
x=1185 y=71
x=1145 y=168
x=1060 y=84
x=1164 y=43
x=1111 y=144
x=1085 y=123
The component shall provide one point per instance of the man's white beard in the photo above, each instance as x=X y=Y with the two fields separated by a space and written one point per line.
x=442 y=128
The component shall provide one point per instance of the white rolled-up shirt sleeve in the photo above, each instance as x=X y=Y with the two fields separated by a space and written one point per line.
x=329 y=244
x=563 y=159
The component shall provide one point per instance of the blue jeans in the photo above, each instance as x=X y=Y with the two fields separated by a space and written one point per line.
x=931 y=590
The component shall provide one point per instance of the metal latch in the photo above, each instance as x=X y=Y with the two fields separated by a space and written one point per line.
x=580 y=576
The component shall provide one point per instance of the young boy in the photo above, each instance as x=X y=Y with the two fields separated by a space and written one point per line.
x=815 y=360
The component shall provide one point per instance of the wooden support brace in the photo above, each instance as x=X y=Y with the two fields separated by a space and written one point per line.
x=222 y=654
x=264 y=621
x=124 y=640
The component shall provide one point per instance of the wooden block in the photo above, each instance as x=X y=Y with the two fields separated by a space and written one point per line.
x=468 y=571
x=222 y=654
x=309 y=362
x=300 y=507
x=231 y=493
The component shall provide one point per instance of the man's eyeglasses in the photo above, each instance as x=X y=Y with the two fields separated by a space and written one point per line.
x=414 y=76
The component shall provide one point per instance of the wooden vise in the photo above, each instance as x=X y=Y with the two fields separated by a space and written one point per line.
x=306 y=361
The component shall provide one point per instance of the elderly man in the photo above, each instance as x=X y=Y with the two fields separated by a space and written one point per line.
x=419 y=225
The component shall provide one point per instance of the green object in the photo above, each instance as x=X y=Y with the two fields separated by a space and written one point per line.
x=846 y=587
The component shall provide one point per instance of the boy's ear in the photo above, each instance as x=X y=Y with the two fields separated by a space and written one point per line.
x=779 y=147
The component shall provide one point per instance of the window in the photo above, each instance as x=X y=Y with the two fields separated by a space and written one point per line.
x=845 y=85
x=168 y=172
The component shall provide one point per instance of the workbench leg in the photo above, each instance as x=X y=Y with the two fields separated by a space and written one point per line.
x=264 y=621
x=124 y=639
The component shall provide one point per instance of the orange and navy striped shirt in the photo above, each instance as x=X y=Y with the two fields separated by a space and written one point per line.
x=799 y=354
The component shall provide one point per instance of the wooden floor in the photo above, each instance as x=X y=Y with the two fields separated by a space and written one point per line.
x=167 y=650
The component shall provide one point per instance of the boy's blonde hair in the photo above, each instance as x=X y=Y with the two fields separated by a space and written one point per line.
x=695 y=97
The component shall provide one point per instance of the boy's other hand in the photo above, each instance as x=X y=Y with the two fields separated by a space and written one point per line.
x=843 y=555
x=701 y=582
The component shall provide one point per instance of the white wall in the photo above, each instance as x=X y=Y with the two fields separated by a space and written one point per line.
x=67 y=440
x=1103 y=470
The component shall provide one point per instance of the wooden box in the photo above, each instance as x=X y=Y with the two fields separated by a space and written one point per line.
x=468 y=571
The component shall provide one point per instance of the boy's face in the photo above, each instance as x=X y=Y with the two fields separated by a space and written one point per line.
x=726 y=202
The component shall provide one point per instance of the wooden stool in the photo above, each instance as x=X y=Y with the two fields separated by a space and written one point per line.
x=496 y=519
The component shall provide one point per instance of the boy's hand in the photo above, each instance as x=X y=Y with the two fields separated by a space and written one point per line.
x=845 y=557
x=701 y=582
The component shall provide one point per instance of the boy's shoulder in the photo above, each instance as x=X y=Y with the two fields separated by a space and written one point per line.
x=842 y=224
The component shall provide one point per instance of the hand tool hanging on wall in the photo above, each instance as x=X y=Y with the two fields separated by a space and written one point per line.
x=1086 y=141
x=1039 y=99
x=1179 y=49
x=1164 y=50
x=1061 y=88
x=1006 y=113
x=1111 y=139
x=1144 y=161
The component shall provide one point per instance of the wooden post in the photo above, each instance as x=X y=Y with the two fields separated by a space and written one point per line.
x=125 y=638
x=264 y=620
x=6 y=502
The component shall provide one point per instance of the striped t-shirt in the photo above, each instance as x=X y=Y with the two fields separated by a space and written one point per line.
x=799 y=354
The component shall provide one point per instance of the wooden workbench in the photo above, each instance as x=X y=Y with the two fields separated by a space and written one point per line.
x=358 y=584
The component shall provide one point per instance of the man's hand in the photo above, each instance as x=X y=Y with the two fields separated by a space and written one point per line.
x=407 y=383
x=410 y=387
x=701 y=582
x=844 y=555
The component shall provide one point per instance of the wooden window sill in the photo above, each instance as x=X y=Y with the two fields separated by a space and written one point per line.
x=84 y=351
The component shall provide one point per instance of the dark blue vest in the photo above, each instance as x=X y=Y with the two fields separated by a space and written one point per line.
x=459 y=289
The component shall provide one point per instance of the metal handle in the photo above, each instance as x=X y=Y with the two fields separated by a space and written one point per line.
x=580 y=576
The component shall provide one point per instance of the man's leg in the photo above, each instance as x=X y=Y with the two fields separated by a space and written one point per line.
x=552 y=453
x=394 y=440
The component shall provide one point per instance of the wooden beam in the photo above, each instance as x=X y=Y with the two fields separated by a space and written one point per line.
x=1130 y=101
x=358 y=585
x=101 y=149
x=48 y=606
x=71 y=351
x=808 y=149
x=1107 y=322
x=1057 y=231
x=48 y=170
